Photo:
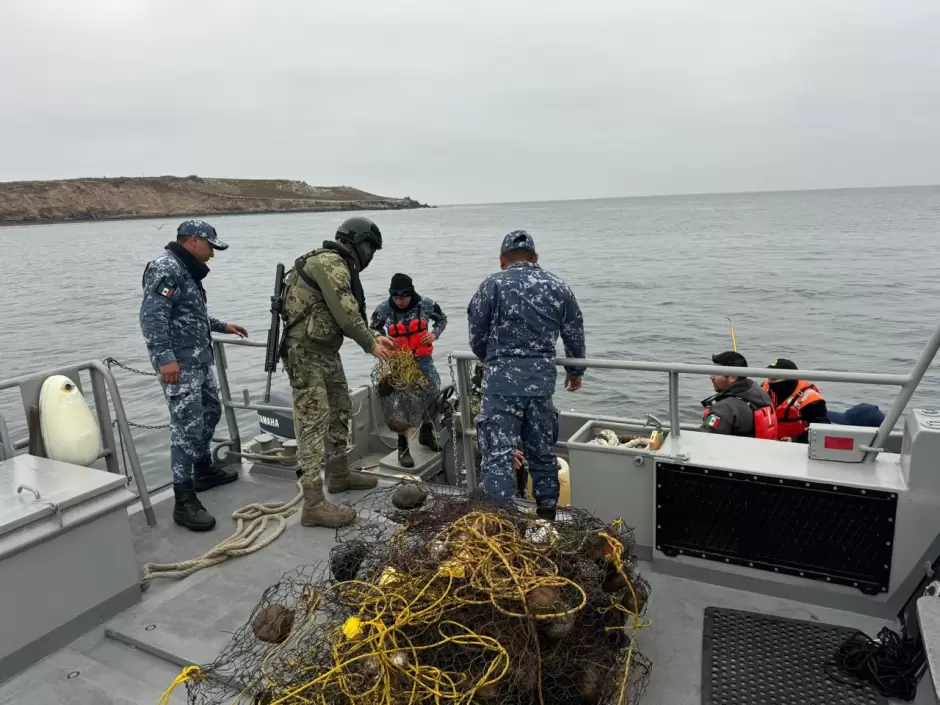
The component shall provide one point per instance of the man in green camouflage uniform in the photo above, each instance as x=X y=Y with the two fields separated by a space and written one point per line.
x=323 y=304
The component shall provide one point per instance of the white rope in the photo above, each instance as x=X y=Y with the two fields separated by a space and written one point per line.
x=276 y=457
x=247 y=539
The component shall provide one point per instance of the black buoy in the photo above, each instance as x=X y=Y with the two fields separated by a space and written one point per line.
x=346 y=560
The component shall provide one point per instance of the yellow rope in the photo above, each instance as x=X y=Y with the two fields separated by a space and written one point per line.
x=616 y=558
x=400 y=369
x=190 y=673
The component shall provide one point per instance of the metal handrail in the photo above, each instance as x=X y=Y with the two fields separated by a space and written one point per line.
x=908 y=383
x=101 y=373
x=690 y=369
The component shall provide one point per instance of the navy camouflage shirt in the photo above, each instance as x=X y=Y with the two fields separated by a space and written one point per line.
x=515 y=318
x=174 y=320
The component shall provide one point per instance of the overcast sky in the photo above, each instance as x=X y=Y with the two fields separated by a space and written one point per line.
x=452 y=102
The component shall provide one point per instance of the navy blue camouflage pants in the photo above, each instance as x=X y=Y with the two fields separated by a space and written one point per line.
x=195 y=411
x=501 y=422
x=426 y=365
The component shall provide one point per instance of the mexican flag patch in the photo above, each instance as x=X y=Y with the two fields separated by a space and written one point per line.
x=712 y=421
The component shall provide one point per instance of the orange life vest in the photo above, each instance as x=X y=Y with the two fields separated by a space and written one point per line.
x=408 y=336
x=789 y=421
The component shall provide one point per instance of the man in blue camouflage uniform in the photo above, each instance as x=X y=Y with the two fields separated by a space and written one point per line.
x=177 y=328
x=515 y=318
x=406 y=307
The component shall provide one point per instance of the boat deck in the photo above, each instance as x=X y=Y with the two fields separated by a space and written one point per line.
x=136 y=656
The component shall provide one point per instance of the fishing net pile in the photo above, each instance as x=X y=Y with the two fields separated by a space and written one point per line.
x=444 y=598
x=402 y=389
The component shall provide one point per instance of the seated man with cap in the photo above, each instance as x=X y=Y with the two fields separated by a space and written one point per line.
x=739 y=407
x=797 y=402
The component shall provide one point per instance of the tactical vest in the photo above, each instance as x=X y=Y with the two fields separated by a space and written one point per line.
x=296 y=277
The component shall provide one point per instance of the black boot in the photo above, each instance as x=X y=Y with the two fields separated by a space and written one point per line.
x=547 y=513
x=404 y=453
x=206 y=475
x=189 y=512
x=426 y=437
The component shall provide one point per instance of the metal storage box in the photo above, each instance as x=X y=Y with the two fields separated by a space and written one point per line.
x=618 y=483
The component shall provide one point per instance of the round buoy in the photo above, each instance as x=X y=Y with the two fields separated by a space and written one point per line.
x=273 y=624
x=409 y=496
x=544 y=600
x=346 y=560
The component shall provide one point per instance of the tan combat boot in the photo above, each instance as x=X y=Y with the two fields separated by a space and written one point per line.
x=341 y=479
x=318 y=512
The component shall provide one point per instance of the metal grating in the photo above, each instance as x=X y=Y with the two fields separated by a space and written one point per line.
x=758 y=659
x=842 y=535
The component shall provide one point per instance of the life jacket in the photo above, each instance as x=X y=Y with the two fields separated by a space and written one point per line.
x=789 y=423
x=765 y=421
x=408 y=336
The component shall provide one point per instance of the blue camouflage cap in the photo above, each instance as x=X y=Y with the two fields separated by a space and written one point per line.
x=200 y=228
x=517 y=240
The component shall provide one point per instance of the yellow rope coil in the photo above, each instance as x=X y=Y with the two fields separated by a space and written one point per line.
x=400 y=370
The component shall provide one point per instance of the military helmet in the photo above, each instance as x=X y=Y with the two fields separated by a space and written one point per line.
x=358 y=230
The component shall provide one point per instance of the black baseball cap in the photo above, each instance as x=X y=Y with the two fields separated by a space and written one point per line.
x=729 y=358
x=781 y=363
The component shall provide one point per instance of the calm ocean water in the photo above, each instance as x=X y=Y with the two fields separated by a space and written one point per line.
x=843 y=280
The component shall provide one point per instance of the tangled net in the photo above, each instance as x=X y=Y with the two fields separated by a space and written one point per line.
x=450 y=601
x=402 y=390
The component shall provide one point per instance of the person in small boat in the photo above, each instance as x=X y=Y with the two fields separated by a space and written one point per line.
x=798 y=403
x=177 y=330
x=739 y=407
x=323 y=304
x=415 y=323
x=515 y=318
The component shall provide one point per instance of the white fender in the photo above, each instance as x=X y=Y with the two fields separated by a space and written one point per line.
x=69 y=428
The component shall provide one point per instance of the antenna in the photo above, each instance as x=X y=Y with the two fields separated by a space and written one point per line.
x=734 y=343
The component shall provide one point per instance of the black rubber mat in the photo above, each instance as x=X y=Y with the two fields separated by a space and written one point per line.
x=758 y=659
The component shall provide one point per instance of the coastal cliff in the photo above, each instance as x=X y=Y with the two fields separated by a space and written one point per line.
x=174 y=196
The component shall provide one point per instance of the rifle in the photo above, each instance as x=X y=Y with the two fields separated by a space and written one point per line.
x=271 y=350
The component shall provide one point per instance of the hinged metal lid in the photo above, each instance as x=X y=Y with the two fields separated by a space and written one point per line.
x=32 y=488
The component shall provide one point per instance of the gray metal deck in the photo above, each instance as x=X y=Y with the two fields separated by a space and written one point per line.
x=138 y=654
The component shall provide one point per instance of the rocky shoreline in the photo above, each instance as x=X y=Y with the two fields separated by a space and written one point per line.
x=31 y=202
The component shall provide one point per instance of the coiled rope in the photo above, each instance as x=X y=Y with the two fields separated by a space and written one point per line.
x=251 y=523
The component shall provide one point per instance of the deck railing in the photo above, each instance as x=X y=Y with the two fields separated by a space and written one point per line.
x=908 y=384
